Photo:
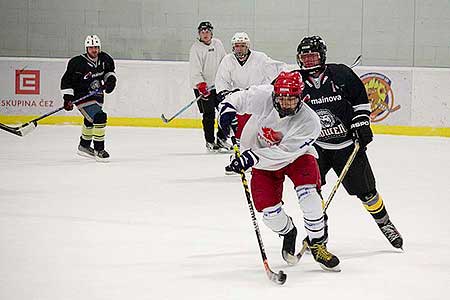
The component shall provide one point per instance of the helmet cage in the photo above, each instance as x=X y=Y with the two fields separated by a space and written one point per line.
x=241 y=39
x=311 y=53
x=287 y=91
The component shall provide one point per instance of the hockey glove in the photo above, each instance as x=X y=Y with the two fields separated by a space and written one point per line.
x=247 y=160
x=222 y=94
x=361 y=130
x=227 y=118
x=110 y=84
x=68 y=99
x=202 y=88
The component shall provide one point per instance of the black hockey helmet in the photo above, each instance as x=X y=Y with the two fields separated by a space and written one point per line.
x=307 y=51
x=205 y=25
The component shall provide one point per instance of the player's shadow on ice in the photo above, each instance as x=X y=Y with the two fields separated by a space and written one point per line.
x=348 y=256
x=181 y=154
x=217 y=179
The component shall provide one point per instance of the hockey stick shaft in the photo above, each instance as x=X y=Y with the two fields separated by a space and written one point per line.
x=165 y=120
x=61 y=108
x=342 y=175
x=26 y=128
x=279 y=277
x=184 y=108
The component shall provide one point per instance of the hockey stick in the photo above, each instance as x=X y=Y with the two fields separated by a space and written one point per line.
x=356 y=62
x=164 y=118
x=333 y=191
x=280 y=277
x=28 y=127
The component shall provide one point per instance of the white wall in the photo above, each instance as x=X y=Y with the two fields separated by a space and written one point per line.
x=386 y=32
x=146 y=89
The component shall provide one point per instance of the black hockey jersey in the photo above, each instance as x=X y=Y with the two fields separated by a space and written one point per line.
x=83 y=75
x=337 y=96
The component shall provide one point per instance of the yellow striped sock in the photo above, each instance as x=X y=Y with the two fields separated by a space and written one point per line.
x=99 y=132
x=375 y=204
x=86 y=132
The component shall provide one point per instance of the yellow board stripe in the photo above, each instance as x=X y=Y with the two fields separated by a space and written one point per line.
x=411 y=130
x=112 y=121
x=197 y=123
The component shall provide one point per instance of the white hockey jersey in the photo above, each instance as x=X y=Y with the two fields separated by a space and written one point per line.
x=204 y=60
x=277 y=141
x=258 y=69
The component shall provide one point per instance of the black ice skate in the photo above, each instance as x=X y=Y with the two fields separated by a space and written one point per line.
x=211 y=147
x=288 y=251
x=326 y=259
x=392 y=234
x=85 y=151
x=224 y=147
x=101 y=156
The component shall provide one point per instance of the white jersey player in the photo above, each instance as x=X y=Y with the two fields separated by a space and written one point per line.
x=204 y=59
x=244 y=67
x=277 y=142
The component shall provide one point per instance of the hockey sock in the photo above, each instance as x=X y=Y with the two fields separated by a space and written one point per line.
x=311 y=205
x=86 y=134
x=375 y=206
x=99 y=130
x=277 y=220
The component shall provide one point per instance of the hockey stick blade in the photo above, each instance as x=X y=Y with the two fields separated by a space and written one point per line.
x=277 y=278
x=356 y=62
x=27 y=128
x=164 y=119
x=10 y=129
x=19 y=131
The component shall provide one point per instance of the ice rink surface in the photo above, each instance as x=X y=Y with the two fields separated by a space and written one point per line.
x=162 y=221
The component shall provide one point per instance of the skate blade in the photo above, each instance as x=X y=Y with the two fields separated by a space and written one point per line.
x=290 y=259
x=223 y=150
x=335 y=269
x=102 y=160
x=84 y=154
x=232 y=173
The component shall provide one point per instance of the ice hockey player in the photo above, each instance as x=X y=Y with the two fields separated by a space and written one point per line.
x=204 y=58
x=277 y=142
x=86 y=73
x=243 y=68
x=338 y=96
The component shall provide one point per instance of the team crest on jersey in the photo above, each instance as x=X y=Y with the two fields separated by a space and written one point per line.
x=332 y=126
x=270 y=136
x=381 y=97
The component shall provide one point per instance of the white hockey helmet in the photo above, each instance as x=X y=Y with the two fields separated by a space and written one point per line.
x=92 y=41
x=240 y=38
x=241 y=51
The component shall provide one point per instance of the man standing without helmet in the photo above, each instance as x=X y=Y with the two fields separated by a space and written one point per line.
x=204 y=59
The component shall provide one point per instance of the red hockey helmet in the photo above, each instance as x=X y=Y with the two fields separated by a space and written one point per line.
x=287 y=91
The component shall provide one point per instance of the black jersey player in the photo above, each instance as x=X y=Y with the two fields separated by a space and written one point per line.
x=339 y=98
x=86 y=73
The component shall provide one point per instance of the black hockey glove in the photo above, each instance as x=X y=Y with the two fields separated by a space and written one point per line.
x=361 y=130
x=68 y=99
x=110 y=84
x=247 y=160
x=227 y=118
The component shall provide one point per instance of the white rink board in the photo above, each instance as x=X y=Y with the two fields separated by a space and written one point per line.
x=147 y=88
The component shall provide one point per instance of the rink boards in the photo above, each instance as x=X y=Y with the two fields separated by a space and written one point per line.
x=406 y=101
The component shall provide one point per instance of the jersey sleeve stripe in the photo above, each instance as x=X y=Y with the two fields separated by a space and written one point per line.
x=67 y=92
